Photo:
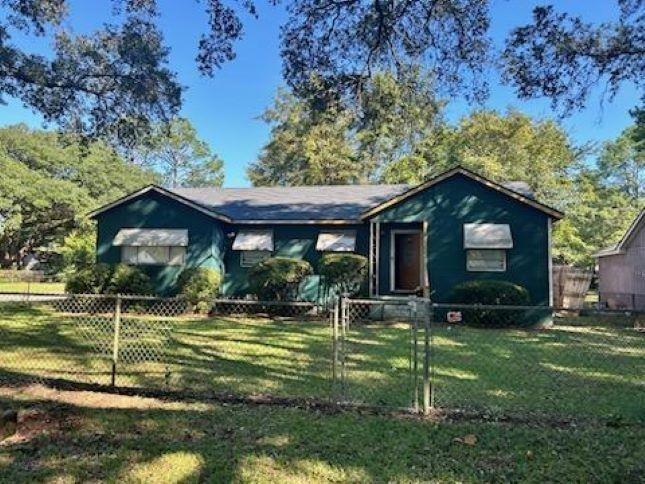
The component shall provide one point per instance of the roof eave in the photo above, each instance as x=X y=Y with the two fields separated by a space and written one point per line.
x=552 y=212
x=162 y=191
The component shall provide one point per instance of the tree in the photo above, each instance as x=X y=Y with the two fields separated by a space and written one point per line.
x=346 y=42
x=597 y=215
x=395 y=113
x=503 y=147
x=562 y=57
x=622 y=164
x=48 y=184
x=317 y=138
x=306 y=146
x=175 y=151
x=113 y=82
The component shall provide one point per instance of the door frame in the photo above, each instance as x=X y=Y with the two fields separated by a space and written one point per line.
x=422 y=258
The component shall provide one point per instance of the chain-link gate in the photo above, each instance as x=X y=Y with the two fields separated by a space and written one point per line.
x=379 y=348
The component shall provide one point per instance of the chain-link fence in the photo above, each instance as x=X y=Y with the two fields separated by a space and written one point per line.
x=392 y=353
x=117 y=340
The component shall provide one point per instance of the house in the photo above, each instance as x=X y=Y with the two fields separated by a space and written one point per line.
x=621 y=269
x=454 y=227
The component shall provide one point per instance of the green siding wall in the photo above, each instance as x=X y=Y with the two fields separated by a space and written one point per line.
x=205 y=235
x=298 y=241
x=446 y=207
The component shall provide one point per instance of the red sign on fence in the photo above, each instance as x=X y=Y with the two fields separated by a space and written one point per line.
x=453 y=316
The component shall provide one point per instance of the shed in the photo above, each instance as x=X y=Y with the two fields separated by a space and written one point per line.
x=621 y=270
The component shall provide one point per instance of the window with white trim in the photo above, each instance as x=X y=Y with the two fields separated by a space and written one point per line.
x=486 y=260
x=249 y=258
x=153 y=255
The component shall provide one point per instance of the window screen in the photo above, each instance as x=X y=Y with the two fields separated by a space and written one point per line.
x=249 y=258
x=153 y=255
x=486 y=260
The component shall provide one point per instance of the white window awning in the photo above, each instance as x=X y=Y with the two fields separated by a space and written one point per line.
x=254 y=240
x=151 y=238
x=337 y=241
x=487 y=236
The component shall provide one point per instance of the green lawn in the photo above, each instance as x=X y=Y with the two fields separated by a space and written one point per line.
x=591 y=370
x=83 y=436
x=33 y=287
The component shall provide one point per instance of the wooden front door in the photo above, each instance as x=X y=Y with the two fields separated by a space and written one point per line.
x=407 y=261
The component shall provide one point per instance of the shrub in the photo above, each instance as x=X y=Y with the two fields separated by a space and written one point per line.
x=90 y=280
x=199 y=285
x=129 y=280
x=278 y=278
x=104 y=278
x=491 y=293
x=344 y=273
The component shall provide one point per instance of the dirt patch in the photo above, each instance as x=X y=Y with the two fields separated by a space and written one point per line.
x=36 y=422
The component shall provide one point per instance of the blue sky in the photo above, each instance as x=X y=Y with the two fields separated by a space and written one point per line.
x=225 y=108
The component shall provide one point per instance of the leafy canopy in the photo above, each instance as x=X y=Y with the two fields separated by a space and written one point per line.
x=175 y=151
x=48 y=184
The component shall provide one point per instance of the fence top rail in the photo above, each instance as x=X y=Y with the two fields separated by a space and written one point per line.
x=252 y=302
x=64 y=295
x=488 y=306
x=394 y=302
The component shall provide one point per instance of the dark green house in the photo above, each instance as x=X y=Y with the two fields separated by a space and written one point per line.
x=454 y=227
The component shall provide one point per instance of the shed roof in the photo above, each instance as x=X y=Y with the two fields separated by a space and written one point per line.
x=314 y=204
x=619 y=247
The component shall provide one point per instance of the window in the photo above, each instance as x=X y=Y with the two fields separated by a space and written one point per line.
x=153 y=255
x=249 y=258
x=152 y=246
x=486 y=260
x=337 y=241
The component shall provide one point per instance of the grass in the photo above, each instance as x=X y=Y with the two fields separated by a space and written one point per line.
x=589 y=370
x=33 y=287
x=83 y=436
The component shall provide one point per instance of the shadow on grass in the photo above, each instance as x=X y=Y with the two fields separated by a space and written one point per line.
x=167 y=442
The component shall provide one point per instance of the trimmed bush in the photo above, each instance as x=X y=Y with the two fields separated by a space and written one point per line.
x=90 y=280
x=129 y=280
x=494 y=293
x=108 y=279
x=278 y=278
x=199 y=285
x=343 y=273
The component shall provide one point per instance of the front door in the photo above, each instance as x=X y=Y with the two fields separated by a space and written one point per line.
x=406 y=260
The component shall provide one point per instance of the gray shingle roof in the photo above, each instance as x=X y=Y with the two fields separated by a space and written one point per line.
x=331 y=202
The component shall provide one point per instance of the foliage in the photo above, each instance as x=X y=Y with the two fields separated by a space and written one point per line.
x=622 y=163
x=278 y=278
x=78 y=250
x=109 y=279
x=113 y=82
x=199 y=285
x=503 y=147
x=562 y=57
x=90 y=280
x=60 y=181
x=344 y=273
x=318 y=139
x=306 y=147
x=175 y=151
x=597 y=215
x=490 y=292
x=127 y=279
x=346 y=42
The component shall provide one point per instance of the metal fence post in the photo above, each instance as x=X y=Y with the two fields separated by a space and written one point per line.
x=117 y=330
x=426 y=363
x=415 y=355
x=335 y=316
